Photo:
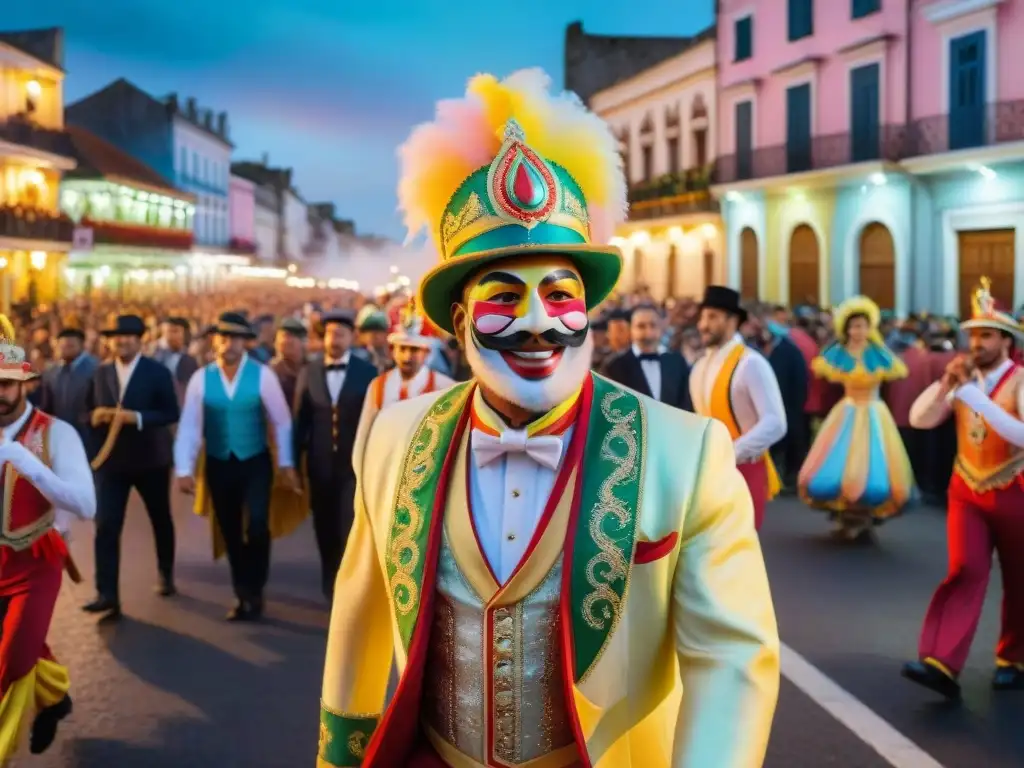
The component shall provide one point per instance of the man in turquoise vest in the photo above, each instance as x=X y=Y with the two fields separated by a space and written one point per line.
x=227 y=405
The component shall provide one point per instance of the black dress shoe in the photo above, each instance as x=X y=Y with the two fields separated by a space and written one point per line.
x=44 y=727
x=240 y=612
x=165 y=588
x=102 y=605
x=1008 y=679
x=932 y=678
x=256 y=607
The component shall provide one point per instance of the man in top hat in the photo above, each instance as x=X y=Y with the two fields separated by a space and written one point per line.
x=172 y=352
x=228 y=404
x=131 y=406
x=410 y=377
x=737 y=386
x=64 y=387
x=647 y=366
x=985 y=394
x=289 y=355
x=47 y=483
x=330 y=397
x=499 y=522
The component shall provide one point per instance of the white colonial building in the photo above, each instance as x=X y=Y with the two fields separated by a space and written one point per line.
x=664 y=118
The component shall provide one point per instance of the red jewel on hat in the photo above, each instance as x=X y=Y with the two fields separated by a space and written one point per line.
x=26 y=367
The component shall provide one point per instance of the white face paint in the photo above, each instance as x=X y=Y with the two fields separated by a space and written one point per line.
x=527 y=333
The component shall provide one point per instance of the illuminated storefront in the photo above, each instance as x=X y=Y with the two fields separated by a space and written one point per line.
x=34 y=236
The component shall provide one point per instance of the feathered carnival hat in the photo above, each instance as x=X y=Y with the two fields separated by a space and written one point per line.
x=853 y=306
x=13 y=365
x=512 y=169
x=411 y=332
x=986 y=314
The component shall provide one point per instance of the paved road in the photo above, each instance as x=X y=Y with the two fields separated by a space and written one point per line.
x=174 y=686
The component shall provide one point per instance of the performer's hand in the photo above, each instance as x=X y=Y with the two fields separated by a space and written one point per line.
x=291 y=479
x=102 y=416
x=187 y=485
x=128 y=417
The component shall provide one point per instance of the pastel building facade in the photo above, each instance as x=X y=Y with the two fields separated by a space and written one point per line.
x=813 y=105
x=664 y=118
x=871 y=147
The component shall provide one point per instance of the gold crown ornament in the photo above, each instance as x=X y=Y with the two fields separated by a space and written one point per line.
x=13 y=364
x=985 y=312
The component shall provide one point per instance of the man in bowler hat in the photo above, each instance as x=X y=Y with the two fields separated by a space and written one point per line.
x=227 y=406
x=329 y=401
x=65 y=386
x=131 y=406
x=736 y=385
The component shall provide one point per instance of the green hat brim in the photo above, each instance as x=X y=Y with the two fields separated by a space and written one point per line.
x=599 y=266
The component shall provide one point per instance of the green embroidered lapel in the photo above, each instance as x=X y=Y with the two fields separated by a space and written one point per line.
x=613 y=469
x=414 y=506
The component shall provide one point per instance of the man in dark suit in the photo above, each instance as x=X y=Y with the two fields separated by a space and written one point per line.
x=64 y=387
x=647 y=366
x=132 y=406
x=329 y=399
x=172 y=353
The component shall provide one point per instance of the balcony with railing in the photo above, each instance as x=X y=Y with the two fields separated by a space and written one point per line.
x=20 y=222
x=23 y=132
x=674 y=194
x=966 y=128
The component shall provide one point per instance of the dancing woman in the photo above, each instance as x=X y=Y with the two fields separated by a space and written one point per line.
x=857 y=468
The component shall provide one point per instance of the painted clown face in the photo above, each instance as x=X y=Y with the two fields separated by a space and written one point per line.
x=525 y=330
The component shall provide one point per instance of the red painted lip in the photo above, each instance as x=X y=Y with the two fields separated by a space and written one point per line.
x=533 y=369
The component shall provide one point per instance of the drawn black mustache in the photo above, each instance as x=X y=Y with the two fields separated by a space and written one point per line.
x=519 y=338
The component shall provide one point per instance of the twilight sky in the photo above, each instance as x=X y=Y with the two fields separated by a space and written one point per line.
x=329 y=87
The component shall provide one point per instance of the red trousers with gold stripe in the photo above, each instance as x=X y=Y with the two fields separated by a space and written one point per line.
x=756 y=475
x=29 y=586
x=977 y=524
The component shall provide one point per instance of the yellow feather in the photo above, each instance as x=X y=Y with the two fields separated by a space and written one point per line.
x=7 y=329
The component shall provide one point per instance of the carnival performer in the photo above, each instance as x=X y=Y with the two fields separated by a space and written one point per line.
x=499 y=522
x=409 y=378
x=227 y=406
x=329 y=399
x=737 y=386
x=858 y=468
x=47 y=482
x=985 y=394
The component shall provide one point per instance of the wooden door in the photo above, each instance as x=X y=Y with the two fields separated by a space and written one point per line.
x=864 y=113
x=986 y=253
x=804 y=259
x=638 y=268
x=878 y=265
x=749 y=267
x=670 y=277
x=798 y=128
x=709 y=267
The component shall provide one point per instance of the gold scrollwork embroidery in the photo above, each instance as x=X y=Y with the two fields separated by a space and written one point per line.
x=572 y=205
x=325 y=739
x=505 y=644
x=454 y=223
x=404 y=552
x=609 y=565
x=357 y=744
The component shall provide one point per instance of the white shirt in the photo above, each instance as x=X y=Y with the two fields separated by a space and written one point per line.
x=755 y=395
x=336 y=379
x=190 y=427
x=124 y=373
x=67 y=483
x=507 y=500
x=652 y=371
x=931 y=409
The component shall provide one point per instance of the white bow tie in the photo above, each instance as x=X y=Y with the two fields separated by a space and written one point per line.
x=546 y=450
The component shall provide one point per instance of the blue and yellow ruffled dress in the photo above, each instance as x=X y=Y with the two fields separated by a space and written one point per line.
x=858 y=462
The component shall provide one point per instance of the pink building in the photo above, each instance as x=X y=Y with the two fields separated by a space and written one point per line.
x=826 y=77
x=242 y=207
